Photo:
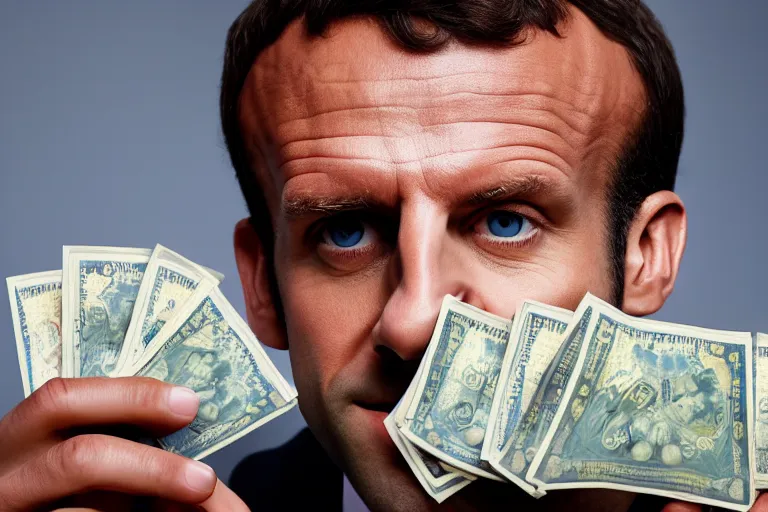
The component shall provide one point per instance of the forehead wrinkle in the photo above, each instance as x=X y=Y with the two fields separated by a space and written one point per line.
x=414 y=114
x=398 y=120
x=433 y=164
x=512 y=91
x=434 y=149
x=310 y=91
x=293 y=90
x=390 y=123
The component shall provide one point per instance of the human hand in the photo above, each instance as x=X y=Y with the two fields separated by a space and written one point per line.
x=55 y=451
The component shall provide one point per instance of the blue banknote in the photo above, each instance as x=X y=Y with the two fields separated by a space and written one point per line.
x=108 y=290
x=169 y=281
x=160 y=311
x=528 y=434
x=434 y=470
x=36 y=312
x=531 y=382
x=761 y=410
x=657 y=408
x=451 y=405
x=213 y=352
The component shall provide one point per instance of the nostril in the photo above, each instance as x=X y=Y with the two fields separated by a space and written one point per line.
x=391 y=361
x=397 y=372
x=387 y=355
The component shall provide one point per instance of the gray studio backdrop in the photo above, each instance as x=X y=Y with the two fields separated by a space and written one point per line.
x=109 y=135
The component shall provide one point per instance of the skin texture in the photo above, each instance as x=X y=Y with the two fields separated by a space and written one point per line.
x=420 y=149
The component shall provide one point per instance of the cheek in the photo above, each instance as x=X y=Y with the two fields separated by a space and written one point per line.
x=329 y=321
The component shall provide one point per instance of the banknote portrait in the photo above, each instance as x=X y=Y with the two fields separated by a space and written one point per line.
x=671 y=407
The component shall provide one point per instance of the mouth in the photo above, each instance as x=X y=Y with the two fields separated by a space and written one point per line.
x=376 y=406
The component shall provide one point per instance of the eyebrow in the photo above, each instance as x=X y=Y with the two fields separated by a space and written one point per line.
x=308 y=205
x=512 y=187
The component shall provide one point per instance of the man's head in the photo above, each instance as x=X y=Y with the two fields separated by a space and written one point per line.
x=394 y=152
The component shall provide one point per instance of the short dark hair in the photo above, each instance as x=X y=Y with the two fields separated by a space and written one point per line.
x=648 y=161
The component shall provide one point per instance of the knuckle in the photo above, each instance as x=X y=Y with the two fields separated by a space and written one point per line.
x=155 y=462
x=52 y=395
x=147 y=393
x=76 y=456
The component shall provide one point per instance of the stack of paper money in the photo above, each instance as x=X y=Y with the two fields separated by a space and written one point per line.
x=596 y=398
x=117 y=312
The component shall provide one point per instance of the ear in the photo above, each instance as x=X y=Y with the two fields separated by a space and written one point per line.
x=258 y=289
x=655 y=245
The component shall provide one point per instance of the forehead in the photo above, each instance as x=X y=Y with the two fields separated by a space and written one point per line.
x=353 y=100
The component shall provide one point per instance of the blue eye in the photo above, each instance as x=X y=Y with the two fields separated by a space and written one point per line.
x=344 y=233
x=505 y=224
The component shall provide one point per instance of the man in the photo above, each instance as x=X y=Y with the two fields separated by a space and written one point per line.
x=391 y=153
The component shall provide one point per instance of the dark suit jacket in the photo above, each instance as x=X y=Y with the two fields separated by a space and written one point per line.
x=296 y=476
x=300 y=476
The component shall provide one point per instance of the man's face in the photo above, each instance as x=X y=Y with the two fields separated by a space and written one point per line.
x=394 y=179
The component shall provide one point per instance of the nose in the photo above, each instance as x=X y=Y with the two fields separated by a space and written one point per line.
x=420 y=275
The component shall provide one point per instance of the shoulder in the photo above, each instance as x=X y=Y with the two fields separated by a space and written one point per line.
x=295 y=475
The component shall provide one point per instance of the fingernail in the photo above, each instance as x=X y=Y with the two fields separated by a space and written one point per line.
x=200 y=478
x=183 y=401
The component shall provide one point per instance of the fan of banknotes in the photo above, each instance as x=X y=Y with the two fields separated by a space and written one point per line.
x=115 y=311
x=552 y=399
x=593 y=398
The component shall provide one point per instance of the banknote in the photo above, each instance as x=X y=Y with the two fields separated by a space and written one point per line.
x=440 y=492
x=528 y=434
x=538 y=331
x=432 y=469
x=428 y=467
x=449 y=411
x=210 y=349
x=657 y=408
x=99 y=288
x=761 y=411
x=170 y=280
x=36 y=313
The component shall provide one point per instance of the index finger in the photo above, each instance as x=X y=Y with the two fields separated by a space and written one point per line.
x=223 y=499
x=63 y=404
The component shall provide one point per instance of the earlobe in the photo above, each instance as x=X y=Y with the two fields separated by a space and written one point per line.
x=655 y=245
x=256 y=278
